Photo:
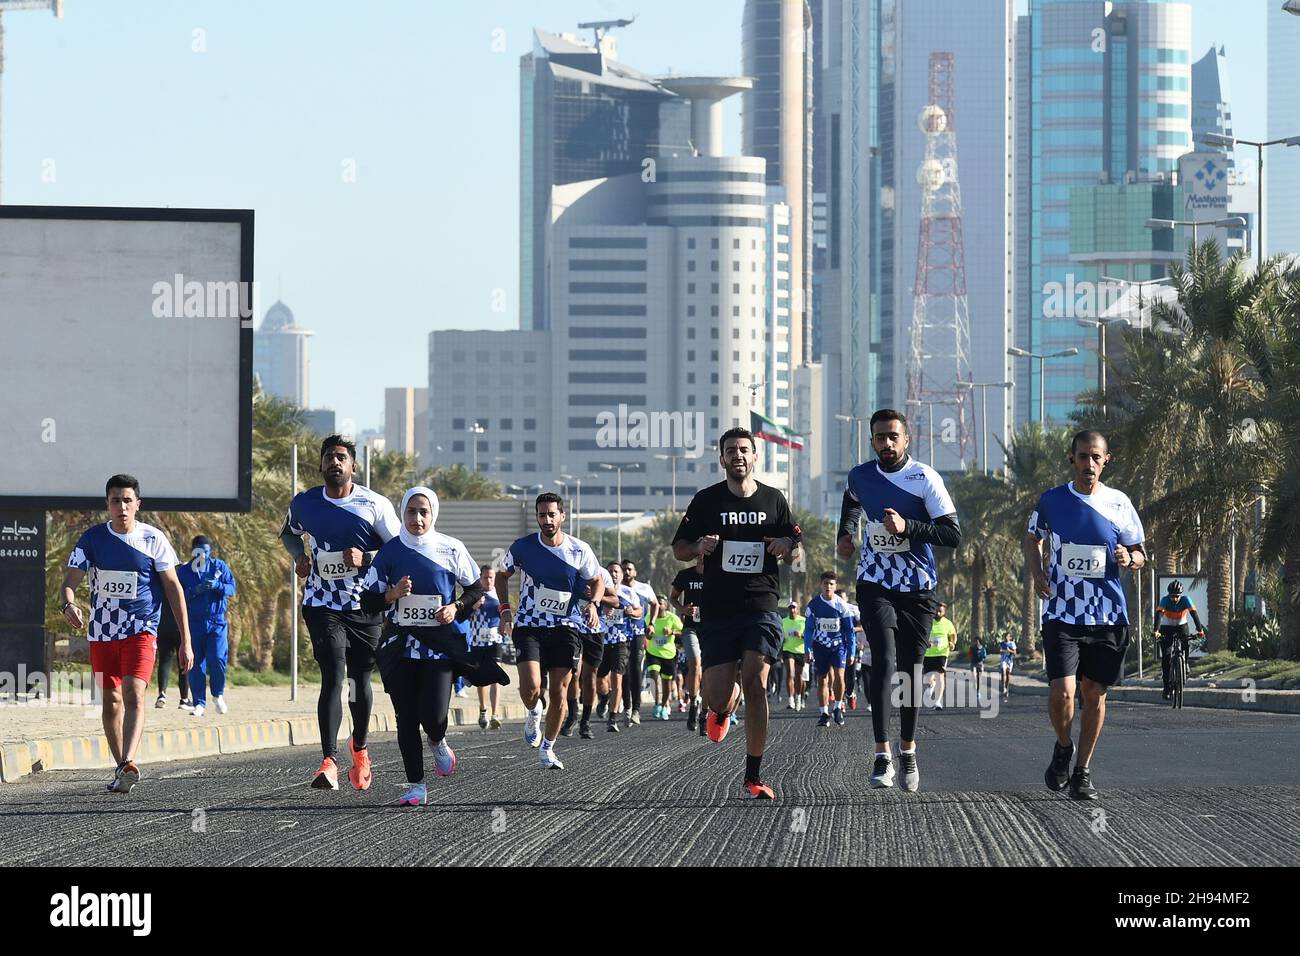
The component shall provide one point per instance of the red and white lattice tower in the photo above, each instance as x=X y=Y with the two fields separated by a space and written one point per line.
x=940 y=314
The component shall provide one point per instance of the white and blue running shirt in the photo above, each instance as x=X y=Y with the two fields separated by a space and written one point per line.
x=485 y=623
x=364 y=520
x=600 y=619
x=125 y=578
x=619 y=629
x=1083 y=531
x=553 y=580
x=917 y=493
x=434 y=572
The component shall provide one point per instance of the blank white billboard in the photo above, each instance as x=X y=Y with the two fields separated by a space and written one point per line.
x=126 y=345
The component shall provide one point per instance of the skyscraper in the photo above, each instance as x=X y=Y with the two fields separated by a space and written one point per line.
x=1110 y=102
x=1282 y=164
x=583 y=116
x=280 y=359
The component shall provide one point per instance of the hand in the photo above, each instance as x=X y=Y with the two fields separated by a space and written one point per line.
x=894 y=522
x=592 y=616
x=445 y=614
x=689 y=611
x=302 y=565
x=782 y=548
x=1122 y=557
x=1201 y=633
x=1041 y=585
x=214 y=585
x=73 y=616
x=352 y=557
x=844 y=546
x=507 y=622
x=707 y=544
x=186 y=654
x=399 y=590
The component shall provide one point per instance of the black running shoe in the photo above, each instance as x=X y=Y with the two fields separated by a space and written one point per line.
x=1081 y=787
x=692 y=715
x=611 y=727
x=839 y=717
x=571 y=718
x=1057 y=776
x=824 y=720
x=584 y=731
x=602 y=706
x=704 y=722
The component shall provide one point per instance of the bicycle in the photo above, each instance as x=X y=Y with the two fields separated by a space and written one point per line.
x=1178 y=669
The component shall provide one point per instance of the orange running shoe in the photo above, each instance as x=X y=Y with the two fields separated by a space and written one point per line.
x=717 y=726
x=360 y=774
x=327 y=777
x=755 y=790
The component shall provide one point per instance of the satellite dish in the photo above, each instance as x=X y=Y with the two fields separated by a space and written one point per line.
x=930 y=175
x=932 y=120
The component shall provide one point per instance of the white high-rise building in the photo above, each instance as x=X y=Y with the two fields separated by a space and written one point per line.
x=280 y=359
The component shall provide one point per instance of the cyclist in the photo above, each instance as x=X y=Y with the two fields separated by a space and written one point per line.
x=1170 y=623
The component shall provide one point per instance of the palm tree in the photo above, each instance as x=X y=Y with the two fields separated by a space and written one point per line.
x=988 y=542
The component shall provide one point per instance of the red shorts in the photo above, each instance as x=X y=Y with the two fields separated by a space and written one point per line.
x=129 y=657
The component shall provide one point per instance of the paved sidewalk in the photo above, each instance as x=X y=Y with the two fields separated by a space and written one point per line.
x=68 y=734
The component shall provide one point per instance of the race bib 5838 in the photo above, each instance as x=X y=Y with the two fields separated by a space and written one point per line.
x=418 y=610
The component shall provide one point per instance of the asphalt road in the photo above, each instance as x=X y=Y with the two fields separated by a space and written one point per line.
x=1188 y=787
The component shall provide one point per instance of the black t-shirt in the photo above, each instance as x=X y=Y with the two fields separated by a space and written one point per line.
x=691 y=583
x=738 y=577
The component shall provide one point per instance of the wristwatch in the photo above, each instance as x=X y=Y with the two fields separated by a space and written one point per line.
x=66 y=605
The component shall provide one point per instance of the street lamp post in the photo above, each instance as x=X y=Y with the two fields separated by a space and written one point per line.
x=1141 y=286
x=1042 y=373
x=619 y=468
x=984 y=415
x=852 y=419
x=474 y=431
x=1100 y=326
x=1218 y=139
x=577 y=504
x=1237 y=221
x=674 y=460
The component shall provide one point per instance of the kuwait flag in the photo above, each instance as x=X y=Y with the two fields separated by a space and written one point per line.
x=769 y=430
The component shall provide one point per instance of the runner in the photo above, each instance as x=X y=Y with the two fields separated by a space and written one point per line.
x=687 y=589
x=556 y=569
x=131 y=565
x=1006 y=662
x=413 y=582
x=593 y=652
x=345 y=524
x=661 y=655
x=855 y=645
x=741 y=528
x=634 y=679
x=943 y=639
x=829 y=630
x=485 y=633
x=977 y=656
x=1093 y=531
x=793 y=651
x=622 y=606
x=908 y=511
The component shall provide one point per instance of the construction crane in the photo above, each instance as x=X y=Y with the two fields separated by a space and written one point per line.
x=8 y=6
x=599 y=28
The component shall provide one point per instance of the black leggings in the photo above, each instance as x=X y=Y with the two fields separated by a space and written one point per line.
x=634 y=677
x=421 y=693
x=169 y=647
x=898 y=631
x=850 y=673
x=343 y=644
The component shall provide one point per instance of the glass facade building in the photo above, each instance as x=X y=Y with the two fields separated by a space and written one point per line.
x=583 y=116
x=1109 y=103
x=1281 y=163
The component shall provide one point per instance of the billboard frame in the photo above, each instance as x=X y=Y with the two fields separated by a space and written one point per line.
x=243 y=501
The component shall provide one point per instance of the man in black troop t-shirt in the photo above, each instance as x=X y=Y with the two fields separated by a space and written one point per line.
x=687 y=588
x=740 y=528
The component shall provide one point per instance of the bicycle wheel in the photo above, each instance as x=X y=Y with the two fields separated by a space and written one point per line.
x=1177 y=677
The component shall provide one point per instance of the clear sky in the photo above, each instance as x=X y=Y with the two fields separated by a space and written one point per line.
x=123 y=103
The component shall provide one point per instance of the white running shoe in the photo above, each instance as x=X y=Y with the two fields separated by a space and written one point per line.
x=635 y=718
x=532 y=729
x=547 y=760
x=161 y=701
x=220 y=701
x=199 y=710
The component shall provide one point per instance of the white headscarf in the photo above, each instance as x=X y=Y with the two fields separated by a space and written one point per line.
x=422 y=543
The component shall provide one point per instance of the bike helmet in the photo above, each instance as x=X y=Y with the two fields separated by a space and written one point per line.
x=1175 y=588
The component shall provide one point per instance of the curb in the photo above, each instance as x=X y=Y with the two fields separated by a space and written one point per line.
x=1265 y=702
x=92 y=753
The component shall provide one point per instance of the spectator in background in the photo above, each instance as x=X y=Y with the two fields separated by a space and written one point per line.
x=208 y=584
x=169 y=645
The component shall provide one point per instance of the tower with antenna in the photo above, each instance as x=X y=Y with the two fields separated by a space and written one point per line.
x=940 y=341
